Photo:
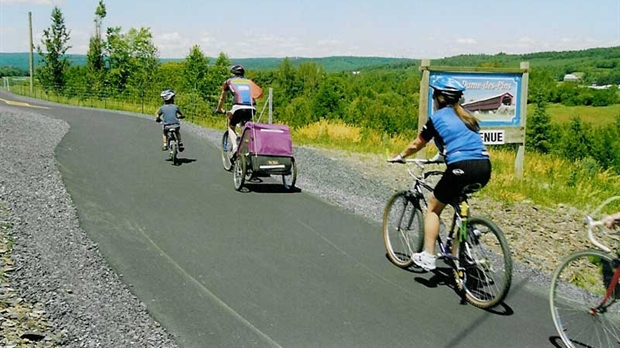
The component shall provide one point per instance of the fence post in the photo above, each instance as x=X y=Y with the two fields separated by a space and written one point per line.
x=270 y=105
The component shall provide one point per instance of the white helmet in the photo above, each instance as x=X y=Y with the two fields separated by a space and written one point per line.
x=167 y=94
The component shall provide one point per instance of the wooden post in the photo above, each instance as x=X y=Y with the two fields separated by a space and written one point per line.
x=423 y=105
x=31 y=58
x=270 y=101
x=525 y=66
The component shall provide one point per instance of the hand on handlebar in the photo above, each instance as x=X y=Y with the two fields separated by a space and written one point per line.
x=611 y=221
x=157 y=119
x=396 y=159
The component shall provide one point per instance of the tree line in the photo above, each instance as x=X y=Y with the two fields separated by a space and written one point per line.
x=126 y=64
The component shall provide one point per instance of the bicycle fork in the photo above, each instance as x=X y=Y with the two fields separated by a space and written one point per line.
x=613 y=286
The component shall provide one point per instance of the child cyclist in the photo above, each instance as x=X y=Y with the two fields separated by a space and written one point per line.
x=169 y=111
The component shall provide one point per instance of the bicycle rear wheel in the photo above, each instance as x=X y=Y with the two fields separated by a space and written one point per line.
x=239 y=172
x=403 y=228
x=484 y=271
x=578 y=288
x=226 y=148
x=288 y=180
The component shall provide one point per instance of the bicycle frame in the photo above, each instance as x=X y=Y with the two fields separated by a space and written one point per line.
x=591 y=223
x=461 y=209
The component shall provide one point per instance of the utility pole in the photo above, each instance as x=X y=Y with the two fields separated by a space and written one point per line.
x=31 y=54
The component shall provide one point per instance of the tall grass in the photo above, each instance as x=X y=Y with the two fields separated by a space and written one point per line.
x=338 y=135
x=547 y=180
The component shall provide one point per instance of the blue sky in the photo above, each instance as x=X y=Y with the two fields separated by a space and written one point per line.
x=320 y=28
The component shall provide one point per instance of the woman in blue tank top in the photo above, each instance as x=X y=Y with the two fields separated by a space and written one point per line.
x=456 y=133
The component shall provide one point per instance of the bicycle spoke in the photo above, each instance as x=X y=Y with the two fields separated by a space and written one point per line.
x=402 y=229
x=485 y=259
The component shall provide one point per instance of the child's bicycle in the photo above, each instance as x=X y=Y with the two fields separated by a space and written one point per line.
x=173 y=143
x=474 y=247
x=585 y=293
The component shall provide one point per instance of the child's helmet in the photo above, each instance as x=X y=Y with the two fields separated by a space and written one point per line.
x=167 y=94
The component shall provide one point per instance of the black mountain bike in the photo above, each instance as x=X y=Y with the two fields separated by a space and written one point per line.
x=474 y=247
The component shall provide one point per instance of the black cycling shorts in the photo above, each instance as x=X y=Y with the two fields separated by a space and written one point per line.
x=474 y=174
x=241 y=115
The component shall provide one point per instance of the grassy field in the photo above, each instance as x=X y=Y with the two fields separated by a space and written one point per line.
x=599 y=115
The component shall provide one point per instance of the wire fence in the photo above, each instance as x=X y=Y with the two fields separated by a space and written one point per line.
x=194 y=104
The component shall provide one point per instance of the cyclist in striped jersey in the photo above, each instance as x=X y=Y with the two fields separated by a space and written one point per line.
x=244 y=92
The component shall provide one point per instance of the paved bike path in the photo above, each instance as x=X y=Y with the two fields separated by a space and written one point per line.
x=220 y=268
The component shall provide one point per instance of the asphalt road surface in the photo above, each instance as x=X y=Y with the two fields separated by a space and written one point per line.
x=219 y=268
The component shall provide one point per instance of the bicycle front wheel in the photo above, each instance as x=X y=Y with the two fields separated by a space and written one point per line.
x=403 y=228
x=585 y=305
x=484 y=271
x=174 y=152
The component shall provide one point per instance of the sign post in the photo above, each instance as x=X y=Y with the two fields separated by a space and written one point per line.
x=497 y=97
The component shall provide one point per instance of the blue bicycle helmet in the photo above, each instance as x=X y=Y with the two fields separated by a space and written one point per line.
x=450 y=88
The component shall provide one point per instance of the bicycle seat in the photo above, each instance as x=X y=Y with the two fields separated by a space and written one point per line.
x=172 y=127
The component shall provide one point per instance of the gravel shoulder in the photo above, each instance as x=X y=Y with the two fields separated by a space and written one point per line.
x=56 y=289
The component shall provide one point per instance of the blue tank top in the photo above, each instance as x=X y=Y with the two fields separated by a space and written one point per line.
x=450 y=132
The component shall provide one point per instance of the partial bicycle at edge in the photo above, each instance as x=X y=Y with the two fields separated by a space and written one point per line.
x=584 y=296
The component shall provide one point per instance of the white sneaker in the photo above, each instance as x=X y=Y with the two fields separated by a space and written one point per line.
x=424 y=260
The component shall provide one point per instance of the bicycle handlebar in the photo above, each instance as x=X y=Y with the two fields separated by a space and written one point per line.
x=591 y=225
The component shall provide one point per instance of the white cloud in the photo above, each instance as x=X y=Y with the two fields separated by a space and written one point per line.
x=466 y=41
x=32 y=2
x=526 y=39
x=172 y=45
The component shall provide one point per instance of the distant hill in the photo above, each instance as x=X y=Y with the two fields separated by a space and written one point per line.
x=331 y=64
x=568 y=61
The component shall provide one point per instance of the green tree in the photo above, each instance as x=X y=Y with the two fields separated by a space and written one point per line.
x=539 y=129
x=576 y=140
x=51 y=74
x=133 y=60
x=118 y=55
x=328 y=100
x=217 y=74
x=195 y=71
x=144 y=60
x=94 y=57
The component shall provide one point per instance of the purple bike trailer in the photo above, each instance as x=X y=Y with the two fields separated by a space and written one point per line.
x=267 y=139
x=269 y=148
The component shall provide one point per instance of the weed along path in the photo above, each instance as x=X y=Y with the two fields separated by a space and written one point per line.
x=266 y=268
